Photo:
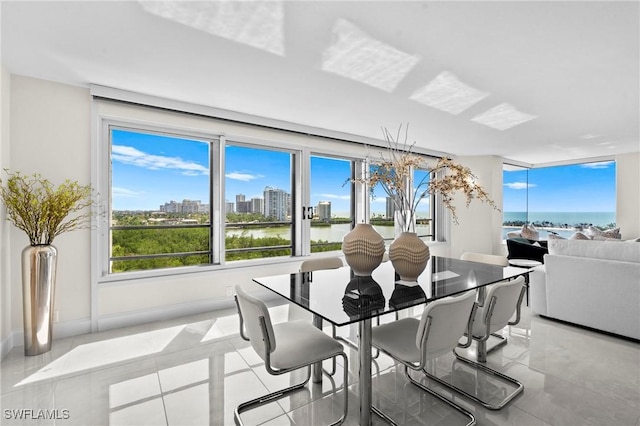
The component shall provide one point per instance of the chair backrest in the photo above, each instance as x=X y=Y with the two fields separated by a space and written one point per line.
x=492 y=259
x=443 y=323
x=252 y=309
x=321 y=263
x=507 y=294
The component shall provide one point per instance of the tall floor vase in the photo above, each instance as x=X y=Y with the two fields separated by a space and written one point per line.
x=38 y=290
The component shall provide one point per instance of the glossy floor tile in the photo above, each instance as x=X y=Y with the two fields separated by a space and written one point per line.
x=196 y=370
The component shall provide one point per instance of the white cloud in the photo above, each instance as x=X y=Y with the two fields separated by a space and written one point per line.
x=124 y=193
x=334 y=196
x=243 y=176
x=519 y=185
x=135 y=157
x=597 y=165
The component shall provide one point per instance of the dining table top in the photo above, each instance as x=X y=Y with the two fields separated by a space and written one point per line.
x=340 y=297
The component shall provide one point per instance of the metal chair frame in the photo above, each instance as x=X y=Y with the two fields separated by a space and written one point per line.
x=421 y=367
x=482 y=357
x=245 y=406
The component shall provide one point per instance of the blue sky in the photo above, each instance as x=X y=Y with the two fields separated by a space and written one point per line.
x=576 y=188
x=150 y=170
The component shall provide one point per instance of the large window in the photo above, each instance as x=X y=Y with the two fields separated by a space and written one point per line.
x=183 y=192
x=258 y=207
x=159 y=200
x=331 y=202
x=560 y=199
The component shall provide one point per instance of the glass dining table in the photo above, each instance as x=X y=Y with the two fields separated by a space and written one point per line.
x=342 y=298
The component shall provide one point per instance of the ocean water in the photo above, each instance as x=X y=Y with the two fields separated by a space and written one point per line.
x=563 y=219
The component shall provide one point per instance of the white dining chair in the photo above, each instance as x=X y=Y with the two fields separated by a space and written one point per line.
x=284 y=347
x=502 y=301
x=499 y=307
x=310 y=265
x=413 y=342
x=498 y=260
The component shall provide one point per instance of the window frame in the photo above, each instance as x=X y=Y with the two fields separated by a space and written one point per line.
x=527 y=169
x=109 y=113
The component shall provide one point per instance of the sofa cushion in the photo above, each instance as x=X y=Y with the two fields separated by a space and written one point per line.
x=610 y=250
x=609 y=233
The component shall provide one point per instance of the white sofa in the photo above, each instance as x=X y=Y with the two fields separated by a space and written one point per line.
x=590 y=283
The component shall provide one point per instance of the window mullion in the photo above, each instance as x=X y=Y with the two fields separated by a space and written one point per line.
x=301 y=225
x=217 y=212
x=361 y=197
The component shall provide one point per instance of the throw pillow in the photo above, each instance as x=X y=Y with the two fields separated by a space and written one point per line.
x=555 y=237
x=609 y=233
x=600 y=238
x=529 y=232
x=579 y=236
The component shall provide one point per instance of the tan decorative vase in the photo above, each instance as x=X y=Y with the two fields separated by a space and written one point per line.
x=363 y=249
x=409 y=256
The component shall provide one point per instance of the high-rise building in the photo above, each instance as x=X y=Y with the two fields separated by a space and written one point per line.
x=391 y=208
x=257 y=205
x=190 y=206
x=229 y=207
x=276 y=203
x=243 y=206
x=186 y=206
x=171 y=207
x=324 y=210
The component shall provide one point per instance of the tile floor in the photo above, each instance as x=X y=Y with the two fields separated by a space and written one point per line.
x=196 y=370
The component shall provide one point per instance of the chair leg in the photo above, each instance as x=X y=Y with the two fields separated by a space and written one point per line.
x=268 y=398
x=519 y=386
x=245 y=406
x=381 y=414
x=503 y=341
x=472 y=419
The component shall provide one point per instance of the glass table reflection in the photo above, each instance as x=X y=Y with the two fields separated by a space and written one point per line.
x=341 y=298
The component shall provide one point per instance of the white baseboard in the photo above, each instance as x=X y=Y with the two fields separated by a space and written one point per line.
x=6 y=345
x=60 y=331
x=126 y=319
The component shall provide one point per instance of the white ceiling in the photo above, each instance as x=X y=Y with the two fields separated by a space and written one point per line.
x=354 y=67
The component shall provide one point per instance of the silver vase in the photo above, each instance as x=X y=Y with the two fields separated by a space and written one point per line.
x=38 y=288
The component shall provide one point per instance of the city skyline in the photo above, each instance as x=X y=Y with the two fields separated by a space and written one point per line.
x=149 y=170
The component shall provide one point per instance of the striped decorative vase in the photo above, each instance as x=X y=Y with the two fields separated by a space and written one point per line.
x=409 y=256
x=363 y=249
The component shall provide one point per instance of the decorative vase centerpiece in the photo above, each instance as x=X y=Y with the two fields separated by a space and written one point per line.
x=37 y=207
x=394 y=172
x=363 y=249
x=409 y=256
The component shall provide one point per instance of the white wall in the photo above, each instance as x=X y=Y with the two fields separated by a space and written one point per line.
x=628 y=195
x=5 y=271
x=479 y=224
x=50 y=135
